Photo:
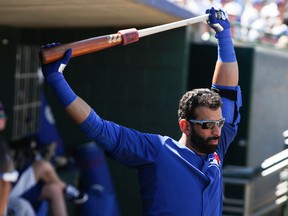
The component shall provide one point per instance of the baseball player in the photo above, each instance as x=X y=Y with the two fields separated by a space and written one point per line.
x=181 y=177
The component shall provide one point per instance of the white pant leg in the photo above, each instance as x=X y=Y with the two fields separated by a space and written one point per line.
x=25 y=182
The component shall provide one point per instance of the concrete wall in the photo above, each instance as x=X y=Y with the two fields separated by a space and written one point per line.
x=269 y=105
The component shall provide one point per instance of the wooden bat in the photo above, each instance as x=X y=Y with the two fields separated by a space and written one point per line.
x=123 y=37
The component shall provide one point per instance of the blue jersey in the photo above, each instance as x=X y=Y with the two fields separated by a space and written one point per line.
x=173 y=179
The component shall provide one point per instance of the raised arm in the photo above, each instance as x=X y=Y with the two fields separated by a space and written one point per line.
x=226 y=69
x=106 y=133
x=76 y=108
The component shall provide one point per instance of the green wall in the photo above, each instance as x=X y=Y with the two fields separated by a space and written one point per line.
x=9 y=38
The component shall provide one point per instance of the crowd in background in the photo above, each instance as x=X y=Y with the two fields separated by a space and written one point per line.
x=253 y=21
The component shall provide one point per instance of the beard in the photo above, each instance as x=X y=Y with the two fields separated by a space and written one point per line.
x=201 y=144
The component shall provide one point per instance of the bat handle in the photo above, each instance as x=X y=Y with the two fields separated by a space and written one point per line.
x=90 y=45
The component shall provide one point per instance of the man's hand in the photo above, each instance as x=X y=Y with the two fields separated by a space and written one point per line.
x=53 y=73
x=218 y=19
x=57 y=66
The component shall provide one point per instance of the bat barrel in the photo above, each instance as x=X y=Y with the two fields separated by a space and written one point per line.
x=80 y=47
x=83 y=47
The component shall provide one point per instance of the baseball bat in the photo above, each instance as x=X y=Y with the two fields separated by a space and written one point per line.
x=123 y=37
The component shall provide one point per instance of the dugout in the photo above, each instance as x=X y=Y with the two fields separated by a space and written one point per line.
x=139 y=86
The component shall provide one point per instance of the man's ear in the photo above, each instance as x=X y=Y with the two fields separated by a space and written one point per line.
x=185 y=126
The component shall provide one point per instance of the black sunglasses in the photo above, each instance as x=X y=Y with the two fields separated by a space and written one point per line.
x=206 y=124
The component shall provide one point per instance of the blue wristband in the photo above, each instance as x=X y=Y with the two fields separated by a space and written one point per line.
x=61 y=88
x=226 y=52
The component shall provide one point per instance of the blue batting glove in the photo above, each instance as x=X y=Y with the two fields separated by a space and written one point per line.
x=218 y=20
x=57 y=66
x=53 y=73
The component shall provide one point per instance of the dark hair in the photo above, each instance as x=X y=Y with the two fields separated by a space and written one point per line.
x=202 y=97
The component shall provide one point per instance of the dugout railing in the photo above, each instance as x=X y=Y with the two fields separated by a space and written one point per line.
x=256 y=191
